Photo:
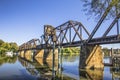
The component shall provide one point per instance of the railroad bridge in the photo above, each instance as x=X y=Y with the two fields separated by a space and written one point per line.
x=73 y=34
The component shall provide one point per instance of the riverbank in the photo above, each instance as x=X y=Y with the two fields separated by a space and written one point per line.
x=73 y=51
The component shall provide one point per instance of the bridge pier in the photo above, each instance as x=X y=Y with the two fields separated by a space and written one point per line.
x=28 y=55
x=46 y=54
x=91 y=57
x=21 y=54
x=39 y=53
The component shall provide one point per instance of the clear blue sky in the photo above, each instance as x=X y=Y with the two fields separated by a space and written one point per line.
x=22 y=20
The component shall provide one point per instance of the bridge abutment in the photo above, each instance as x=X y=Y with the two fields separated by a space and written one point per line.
x=91 y=57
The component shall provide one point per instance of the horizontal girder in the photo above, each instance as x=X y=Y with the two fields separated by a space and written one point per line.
x=72 y=34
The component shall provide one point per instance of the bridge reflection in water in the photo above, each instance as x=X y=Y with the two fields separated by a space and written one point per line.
x=91 y=74
x=38 y=68
x=43 y=70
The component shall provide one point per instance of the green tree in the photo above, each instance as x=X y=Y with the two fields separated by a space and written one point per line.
x=14 y=46
x=98 y=7
x=106 y=51
x=71 y=51
x=5 y=46
x=1 y=42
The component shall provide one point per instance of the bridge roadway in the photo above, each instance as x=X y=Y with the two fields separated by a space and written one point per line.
x=94 y=41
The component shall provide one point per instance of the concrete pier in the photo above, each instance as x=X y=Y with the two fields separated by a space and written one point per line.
x=91 y=57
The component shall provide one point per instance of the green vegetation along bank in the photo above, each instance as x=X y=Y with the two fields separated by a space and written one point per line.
x=70 y=51
x=5 y=47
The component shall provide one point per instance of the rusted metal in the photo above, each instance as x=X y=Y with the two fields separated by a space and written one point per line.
x=75 y=35
x=49 y=32
x=66 y=34
x=85 y=29
x=111 y=26
x=100 y=22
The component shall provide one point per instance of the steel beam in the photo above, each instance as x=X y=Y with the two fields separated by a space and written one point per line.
x=110 y=27
x=100 y=22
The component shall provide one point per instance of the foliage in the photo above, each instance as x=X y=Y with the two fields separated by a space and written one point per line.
x=1 y=42
x=98 y=7
x=6 y=59
x=5 y=46
x=70 y=51
x=14 y=46
x=106 y=51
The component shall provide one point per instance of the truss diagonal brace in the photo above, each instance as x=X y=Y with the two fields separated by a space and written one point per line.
x=110 y=27
x=100 y=22
x=76 y=32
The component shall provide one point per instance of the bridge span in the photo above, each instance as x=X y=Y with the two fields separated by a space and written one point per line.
x=73 y=34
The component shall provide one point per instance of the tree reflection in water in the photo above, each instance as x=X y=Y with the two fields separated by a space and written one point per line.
x=6 y=59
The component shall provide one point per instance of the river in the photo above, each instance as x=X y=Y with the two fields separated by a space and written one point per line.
x=17 y=68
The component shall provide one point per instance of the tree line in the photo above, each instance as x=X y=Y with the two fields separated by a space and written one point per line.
x=5 y=47
x=70 y=51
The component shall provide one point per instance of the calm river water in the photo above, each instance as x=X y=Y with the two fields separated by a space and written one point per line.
x=16 y=68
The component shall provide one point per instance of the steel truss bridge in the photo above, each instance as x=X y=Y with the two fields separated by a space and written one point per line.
x=74 y=33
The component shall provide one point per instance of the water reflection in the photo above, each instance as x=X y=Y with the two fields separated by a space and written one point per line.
x=91 y=74
x=69 y=70
x=36 y=69
x=115 y=70
x=8 y=60
x=23 y=69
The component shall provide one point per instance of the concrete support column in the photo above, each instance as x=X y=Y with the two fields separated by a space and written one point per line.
x=28 y=55
x=39 y=54
x=22 y=54
x=49 y=54
x=46 y=54
x=91 y=57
